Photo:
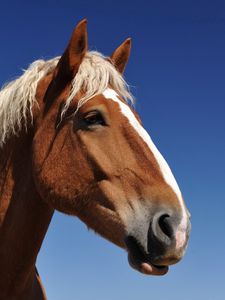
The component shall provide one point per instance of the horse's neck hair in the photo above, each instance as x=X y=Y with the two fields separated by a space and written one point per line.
x=95 y=74
x=17 y=98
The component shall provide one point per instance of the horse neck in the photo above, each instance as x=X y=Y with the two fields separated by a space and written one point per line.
x=24 y=220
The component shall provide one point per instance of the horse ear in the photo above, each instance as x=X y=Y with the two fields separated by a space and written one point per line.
x=121 y=55
x=71 y=59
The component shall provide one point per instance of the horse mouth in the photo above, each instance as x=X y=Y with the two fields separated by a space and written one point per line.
x=139 y=259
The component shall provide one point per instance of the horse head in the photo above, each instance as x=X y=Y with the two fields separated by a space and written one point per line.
x=93 y=159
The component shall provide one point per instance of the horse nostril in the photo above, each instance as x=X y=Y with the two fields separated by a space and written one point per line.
x=162 y=230
x=166 y=225
x=165 y=238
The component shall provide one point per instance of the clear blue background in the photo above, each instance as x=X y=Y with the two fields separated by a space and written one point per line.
x=177 y=70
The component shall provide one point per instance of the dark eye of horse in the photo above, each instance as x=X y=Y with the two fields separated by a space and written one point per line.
x=94 y=118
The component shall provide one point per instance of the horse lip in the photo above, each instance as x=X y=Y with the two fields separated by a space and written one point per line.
x=135 y=249
x=139 y=259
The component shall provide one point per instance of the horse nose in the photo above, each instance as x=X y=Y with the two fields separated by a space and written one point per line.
x=162 y=237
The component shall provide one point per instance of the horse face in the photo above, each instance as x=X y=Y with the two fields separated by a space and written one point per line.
x=102 y=166
x=135 y=182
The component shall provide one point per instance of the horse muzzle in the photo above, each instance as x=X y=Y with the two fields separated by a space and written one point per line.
x=167 y=239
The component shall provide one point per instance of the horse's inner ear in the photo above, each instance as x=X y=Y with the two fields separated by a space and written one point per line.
x=71 y=59
x=121 y=55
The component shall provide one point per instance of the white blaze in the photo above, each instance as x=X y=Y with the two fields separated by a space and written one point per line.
x=164 y=167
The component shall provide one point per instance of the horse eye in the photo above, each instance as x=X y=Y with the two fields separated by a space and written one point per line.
x=94 y=118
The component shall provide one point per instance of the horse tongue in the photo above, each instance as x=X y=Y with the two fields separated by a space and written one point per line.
x=149 y=269
x=146 y=268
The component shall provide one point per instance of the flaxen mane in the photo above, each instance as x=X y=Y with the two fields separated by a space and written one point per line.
x=95 y=74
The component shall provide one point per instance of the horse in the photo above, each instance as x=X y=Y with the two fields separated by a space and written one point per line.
x=70 y=140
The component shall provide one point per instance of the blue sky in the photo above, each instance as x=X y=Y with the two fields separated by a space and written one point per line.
x=177 y=70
